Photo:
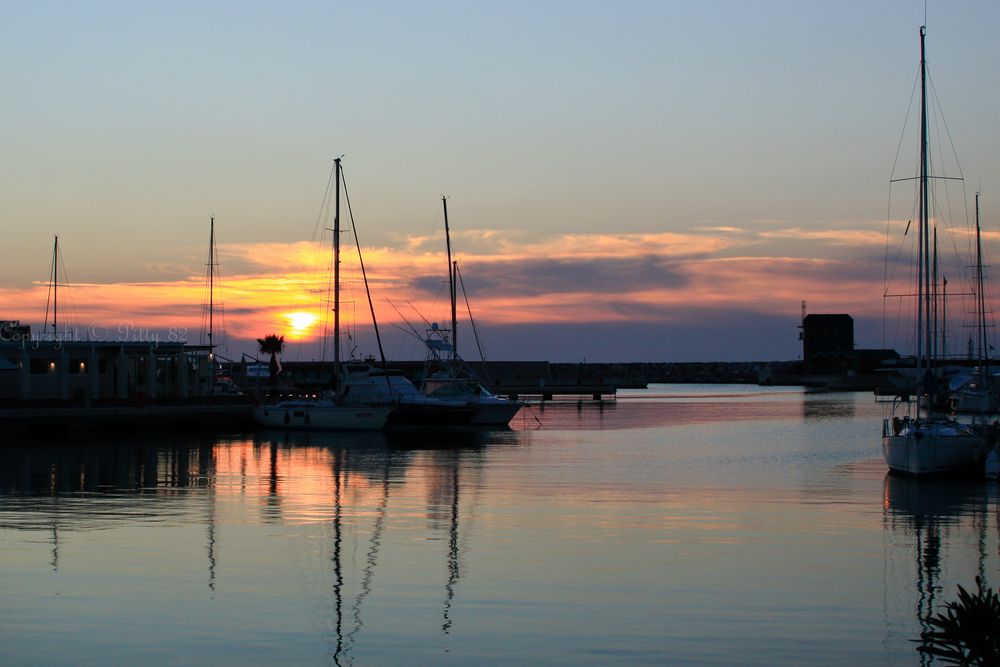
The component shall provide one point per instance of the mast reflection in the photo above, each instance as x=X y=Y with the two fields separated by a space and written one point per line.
x=338 y=575
x=343 y=481
x=453 y=569
x=934 y=517
x=371 y=558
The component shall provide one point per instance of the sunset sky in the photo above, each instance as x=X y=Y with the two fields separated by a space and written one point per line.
x=640 y=181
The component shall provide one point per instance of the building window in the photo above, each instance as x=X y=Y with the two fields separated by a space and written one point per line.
x=42 y=366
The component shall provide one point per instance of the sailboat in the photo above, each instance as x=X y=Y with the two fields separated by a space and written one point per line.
x=447 y=376
x=978 y=393
x=53 y=296
x=219 y=383
x=331 y=412
x=927 y=442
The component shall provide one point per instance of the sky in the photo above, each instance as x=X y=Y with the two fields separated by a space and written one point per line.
x=637 y=181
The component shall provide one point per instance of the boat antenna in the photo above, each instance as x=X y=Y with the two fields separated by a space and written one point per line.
x=412 y=330
x=420 y=315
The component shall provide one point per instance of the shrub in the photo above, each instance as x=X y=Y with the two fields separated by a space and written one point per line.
x=968 y=632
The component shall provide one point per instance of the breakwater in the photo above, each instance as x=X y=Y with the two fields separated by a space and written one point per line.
x=549 y=379
x=709 y=372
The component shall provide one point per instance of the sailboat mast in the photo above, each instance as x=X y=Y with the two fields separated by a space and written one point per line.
x=211 y=304
x=935 y=300
x=923 y=324
x=944 y=317
x=211 y=280
x=52 y=298
x=336 y=276
x=984 y=347
x=454 y=304
x=451 y=282
x=55 y=286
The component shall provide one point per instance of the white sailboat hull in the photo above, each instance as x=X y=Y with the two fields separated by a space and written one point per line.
x=322 y=416
x=928 y=453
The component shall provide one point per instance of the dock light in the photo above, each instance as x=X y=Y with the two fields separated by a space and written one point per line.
x=52 y=365
x=83 y=366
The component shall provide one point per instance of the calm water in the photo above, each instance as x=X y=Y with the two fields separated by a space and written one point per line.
x=679 y=525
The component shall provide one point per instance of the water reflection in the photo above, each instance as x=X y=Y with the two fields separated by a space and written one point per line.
x=453 y=552
x=779 y=531
x=283 y=479
x=338 y=575
x=828 y=407
x=945 y=524
x=631 y=412
x=371 y=560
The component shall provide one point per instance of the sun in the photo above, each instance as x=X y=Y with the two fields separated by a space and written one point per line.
x=301 y=323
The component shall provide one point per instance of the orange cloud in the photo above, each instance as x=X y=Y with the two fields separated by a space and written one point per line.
x=839 y=237
x=513 y=278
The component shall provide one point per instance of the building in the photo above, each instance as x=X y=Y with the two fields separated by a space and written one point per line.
x=828 y=350
x=827 y=340
x=52 y=369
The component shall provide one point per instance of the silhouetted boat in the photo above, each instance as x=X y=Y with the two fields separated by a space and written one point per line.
x=977 y=392
x=364 y=384
x=928 y=441
x=451 y=379
x=446 y=375
x=331 y=412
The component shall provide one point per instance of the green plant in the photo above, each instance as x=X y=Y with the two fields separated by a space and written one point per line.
x=968 y=632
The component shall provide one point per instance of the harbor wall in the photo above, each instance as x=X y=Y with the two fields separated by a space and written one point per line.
x=711 y=372
x=542 y=377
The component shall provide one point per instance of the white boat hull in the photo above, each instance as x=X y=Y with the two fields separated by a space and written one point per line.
x=973 y=401
x=924 y=453
x=495 y=414
x=321 y=417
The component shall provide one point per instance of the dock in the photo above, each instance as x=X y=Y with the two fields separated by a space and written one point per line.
x=512 y=379
x=57 y=417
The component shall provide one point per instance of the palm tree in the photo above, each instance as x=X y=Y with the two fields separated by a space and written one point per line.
x=968 y=631
x=273 y=345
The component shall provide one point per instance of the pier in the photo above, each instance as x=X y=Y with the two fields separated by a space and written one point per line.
x=514 y=379
x=58 y=416
x=161 y=404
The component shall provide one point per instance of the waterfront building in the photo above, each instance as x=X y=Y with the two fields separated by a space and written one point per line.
x=52 y=369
